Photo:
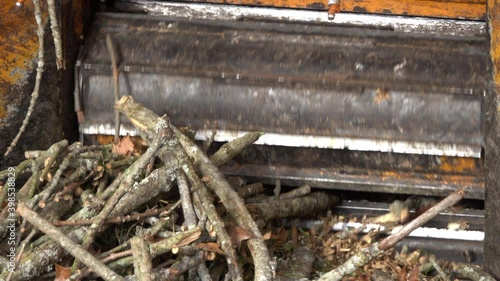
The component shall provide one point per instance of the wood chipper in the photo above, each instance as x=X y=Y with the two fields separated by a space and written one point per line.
x=387 y=96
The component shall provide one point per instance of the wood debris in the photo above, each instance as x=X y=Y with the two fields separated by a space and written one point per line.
x=124 y=212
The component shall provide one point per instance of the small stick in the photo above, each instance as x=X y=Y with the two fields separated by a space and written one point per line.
x=473 y=272
x=202 y=198
x=116 y=85
x=234 y=204
x=56 y=34
x=64 y=165
x=74 y=249
x=50 y=161
x=179 y=267
x=16 y=261
x=438 y=268
x=187 y=206
x=38 y=79
x=114 y=220
x=298 y=192
x=143 y=267
x=277 y=189
x=229 y=150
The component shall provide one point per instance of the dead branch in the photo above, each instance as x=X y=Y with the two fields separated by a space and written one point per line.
x=472 y=272
x=47 y=252
x=438 y=269
x=204 y=274
x=114 y=220
x=187 y=206
x=229 y=150
x=143 y=119
x=444 y=204
x=56 y=34
x=175 y=270
x=297 y=192
x=161 y=247
x=203 y=198
x=178 y=268
x=68 y=244
x=277 y=189
x=51 y=160
x=143 y=267
x=235 y=206
x=138 y=114
x=45 y=195
x=295 y=207
x=367 y=254
x=130 y=176
x=157 y=227
x=38 y=79
x=250 y=190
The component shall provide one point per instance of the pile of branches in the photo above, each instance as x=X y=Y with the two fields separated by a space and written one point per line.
x=78 y=197
x=162 y=210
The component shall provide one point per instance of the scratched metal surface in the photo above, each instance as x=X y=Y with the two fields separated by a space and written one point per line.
x=426 y=24
x=359 y=171
x=374 y=87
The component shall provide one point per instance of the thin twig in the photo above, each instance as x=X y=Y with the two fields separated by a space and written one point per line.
x=56 y=34
x=50 y=161
x=38 y=79
x=18 y=258
x=114 y=220
x=229 y=150
x=187 y=206
x=438 y=268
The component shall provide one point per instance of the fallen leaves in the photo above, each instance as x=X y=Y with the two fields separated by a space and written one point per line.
x=125 y=147
x=62 y=273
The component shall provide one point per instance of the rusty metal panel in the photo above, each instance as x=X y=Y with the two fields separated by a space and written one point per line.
x=344 y=87
x=437 y=26
x=463 y=9
x=455 y=9
x=360 y=171
x=18 y=50
x=52 y=118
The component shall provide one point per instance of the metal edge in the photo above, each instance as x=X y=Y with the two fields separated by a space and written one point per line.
x=422 y=25
x=314 y=141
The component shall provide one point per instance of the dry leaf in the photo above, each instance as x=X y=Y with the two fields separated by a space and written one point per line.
x=62 y=273
x=124 y=147
x=267 y=236
x=402 y=275
x=211 y=247
x=189 y=239
x=414 y=274
x=238 y=234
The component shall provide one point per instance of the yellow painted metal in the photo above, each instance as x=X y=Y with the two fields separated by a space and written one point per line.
x=463 y=9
